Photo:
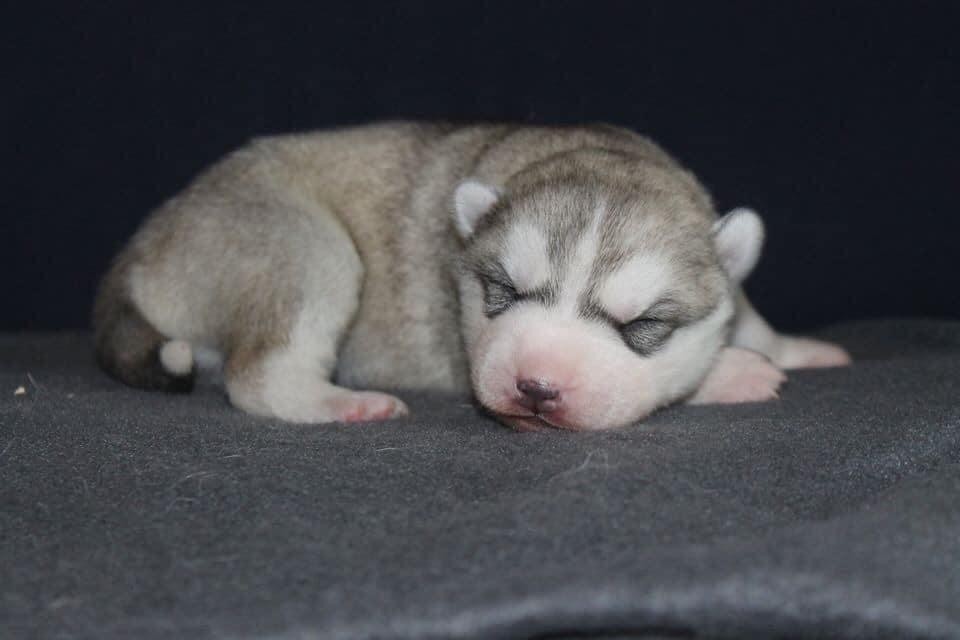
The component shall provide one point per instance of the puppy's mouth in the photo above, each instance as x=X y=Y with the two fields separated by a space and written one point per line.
x=528 y=422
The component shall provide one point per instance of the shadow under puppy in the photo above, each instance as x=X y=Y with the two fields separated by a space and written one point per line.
x=570 y=277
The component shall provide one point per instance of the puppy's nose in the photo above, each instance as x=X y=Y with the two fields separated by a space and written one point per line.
x=538 y=396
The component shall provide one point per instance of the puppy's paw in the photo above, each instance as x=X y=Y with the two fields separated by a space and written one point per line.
x=739 y=375
x=365 y=406
x=313 y=402
x=802 y=353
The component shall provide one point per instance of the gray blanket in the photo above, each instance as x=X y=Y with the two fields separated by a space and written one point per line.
x=833 y=512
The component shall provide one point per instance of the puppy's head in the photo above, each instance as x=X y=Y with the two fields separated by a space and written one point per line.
x=586 y=306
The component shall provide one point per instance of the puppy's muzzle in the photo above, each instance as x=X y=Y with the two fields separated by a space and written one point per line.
x=538 y=396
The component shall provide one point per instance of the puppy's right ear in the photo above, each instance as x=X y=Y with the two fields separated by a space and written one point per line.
x=471 y=201
x=738 y=237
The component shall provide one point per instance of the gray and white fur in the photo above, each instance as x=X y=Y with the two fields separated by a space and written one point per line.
x=571 y=277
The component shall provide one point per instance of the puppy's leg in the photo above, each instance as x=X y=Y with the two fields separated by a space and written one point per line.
x=290 y=379
x=280 y=363
x=739 y=375
x=751 y=331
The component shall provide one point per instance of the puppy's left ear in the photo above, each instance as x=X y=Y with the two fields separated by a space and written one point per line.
x=738 y=237
x=471 y=201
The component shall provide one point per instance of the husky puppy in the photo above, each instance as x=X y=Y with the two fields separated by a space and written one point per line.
x=570 y=277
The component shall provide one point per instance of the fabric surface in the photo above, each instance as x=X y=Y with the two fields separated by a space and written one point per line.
x=833 y=512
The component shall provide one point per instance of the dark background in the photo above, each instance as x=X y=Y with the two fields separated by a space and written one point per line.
x=838 y=123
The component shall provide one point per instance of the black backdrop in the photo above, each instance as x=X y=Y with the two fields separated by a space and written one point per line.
x=837 y=121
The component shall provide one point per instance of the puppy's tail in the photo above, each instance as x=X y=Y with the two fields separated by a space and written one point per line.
x=131 y=349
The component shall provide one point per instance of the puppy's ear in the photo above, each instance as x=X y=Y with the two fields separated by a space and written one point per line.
x=471 y=201
x=738 y=237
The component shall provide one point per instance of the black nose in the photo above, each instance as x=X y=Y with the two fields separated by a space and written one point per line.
x=538 y=396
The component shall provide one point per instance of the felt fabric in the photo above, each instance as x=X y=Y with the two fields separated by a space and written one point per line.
x=833 y=512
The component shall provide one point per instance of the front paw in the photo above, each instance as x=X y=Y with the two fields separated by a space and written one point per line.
x=366 y=406
x=739 y=375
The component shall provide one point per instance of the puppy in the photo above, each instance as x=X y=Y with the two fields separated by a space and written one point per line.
x=574 y=277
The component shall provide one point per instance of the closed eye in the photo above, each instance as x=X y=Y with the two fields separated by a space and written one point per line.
x=498 y=295
x=645 y=335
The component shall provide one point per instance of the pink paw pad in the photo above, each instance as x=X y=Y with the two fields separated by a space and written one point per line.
x=368 y=406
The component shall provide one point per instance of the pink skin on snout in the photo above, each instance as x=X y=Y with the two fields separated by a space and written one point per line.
x=575 y=373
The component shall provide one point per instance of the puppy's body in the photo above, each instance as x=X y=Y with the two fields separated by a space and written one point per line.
x=408 y=255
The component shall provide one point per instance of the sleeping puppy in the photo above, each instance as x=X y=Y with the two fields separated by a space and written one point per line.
x=576 y=278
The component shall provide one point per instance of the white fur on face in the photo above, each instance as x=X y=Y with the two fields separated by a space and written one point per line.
x=602 y=383
x=580 y=266
x=635 y=286
x=525 y=257
x=577 y=358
